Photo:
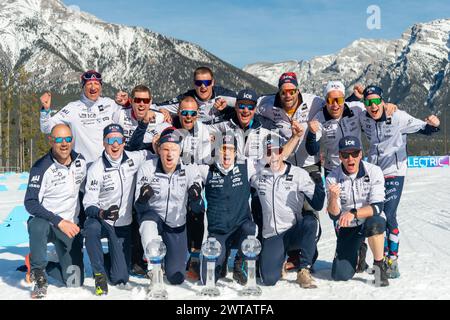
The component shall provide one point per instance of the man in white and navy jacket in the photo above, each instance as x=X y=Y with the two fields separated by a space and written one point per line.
x=282 y=188
x=52 y=201
x=355 y=201
x=214 y=102
x=86 y=117
x=280 y=112
x=140 y=107
x=387 y=139
x=108 y=205
x=166 y=189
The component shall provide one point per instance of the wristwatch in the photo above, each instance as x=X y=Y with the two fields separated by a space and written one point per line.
x=354 y=212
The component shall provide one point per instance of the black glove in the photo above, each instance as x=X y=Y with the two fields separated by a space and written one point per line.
x=195 y=192
x=145 y=193
x=111 y=214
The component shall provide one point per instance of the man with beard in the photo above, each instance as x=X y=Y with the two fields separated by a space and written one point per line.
x=279 y=112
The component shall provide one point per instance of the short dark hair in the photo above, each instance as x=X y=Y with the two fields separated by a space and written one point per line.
x=141 y=88
x=203 y=70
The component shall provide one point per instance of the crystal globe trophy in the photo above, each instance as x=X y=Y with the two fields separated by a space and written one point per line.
x=251 y=247
x=211 y=250
x=155 y=252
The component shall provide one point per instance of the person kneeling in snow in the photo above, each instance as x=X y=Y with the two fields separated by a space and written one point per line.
x=108 y=205
x=282 y=189
x=355 y=199
x=165 y=190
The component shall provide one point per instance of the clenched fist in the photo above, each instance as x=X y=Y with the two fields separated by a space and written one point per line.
x=297 y=129
x=334 y=190
x=432 y=121
x=46 y=100
x=358 y=90
x=220 y=104
x=121 y=98
x=167 y=116
x=314 y=126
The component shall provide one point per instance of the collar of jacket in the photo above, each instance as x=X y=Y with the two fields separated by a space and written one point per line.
x=382 y=118
x=361 y=170
x=86 y=101
x=73 y=157
x=160 y=169
x=106 y=162
x=286 y=171
x=347 y=113
x=194 y=94
x=254 y=123
x=133 y=116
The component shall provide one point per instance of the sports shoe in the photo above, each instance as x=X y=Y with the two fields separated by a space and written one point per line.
x=240 y=270
x=305 y=280
x=40 y=287
x=362 y=265
x=101 y=284
x=392 y=268
x=382 y=265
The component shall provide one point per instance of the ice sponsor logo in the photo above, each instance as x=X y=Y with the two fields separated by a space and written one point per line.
x=248 y=96
x=428 y=162
x=350 y=143
x=35 y=179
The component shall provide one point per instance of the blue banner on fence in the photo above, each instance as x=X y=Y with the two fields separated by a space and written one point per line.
x=428 y=162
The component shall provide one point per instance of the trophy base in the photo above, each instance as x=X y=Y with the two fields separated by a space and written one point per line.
x=210 y=292
x=158 y=295
x=251 y=291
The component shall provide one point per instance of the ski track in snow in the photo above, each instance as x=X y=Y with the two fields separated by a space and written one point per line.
x=424 y=220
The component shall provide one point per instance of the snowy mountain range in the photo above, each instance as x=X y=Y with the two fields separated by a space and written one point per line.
x=55 y=43
x=413 y=70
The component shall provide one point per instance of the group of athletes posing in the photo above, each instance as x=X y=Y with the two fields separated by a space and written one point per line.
x=240 y=164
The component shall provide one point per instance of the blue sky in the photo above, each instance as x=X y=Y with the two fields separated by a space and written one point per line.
x=247 y=31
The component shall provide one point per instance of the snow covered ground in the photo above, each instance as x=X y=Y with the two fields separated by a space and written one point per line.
x=424 y=218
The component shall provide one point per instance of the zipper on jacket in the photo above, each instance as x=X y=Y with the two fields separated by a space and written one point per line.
x=273 y=205
x=379 y=141
x=396 y=161
x=354 y=201
x=340 y=127
x=168 y=198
